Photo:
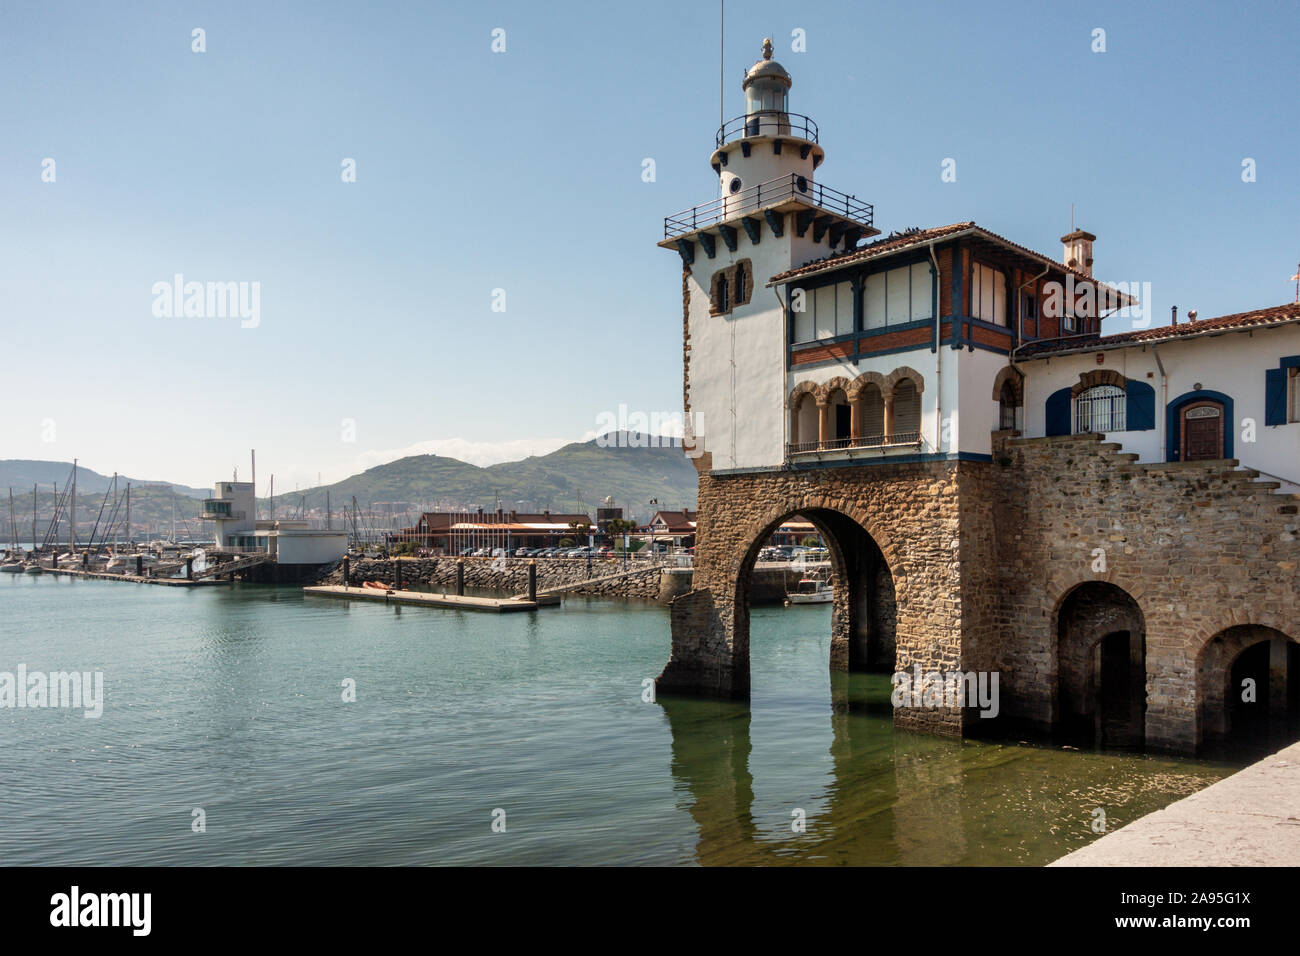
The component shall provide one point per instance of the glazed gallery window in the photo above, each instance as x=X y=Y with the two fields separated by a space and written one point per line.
x=988 y=294
x=827 y=312
x=898 y=296
x=1099 y=409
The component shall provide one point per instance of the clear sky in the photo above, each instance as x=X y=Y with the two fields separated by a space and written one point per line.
x=522 y=171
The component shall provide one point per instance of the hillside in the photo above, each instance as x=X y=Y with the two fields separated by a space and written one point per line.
x=576 y=477
x=20 y=474
x=579 y=473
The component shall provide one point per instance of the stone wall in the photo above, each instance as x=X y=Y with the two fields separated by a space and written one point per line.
x=1199 y=546
x=904 y=516
x=441 y=573
x=982 y=557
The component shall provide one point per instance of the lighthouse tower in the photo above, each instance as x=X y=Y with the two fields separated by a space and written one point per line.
x=770 y=215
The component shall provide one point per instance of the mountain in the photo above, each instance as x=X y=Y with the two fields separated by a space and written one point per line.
x=580 y=473
x=20 y=474
x=577 y=477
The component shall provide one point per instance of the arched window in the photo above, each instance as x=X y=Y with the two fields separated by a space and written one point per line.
x=805 y=429
x=907 y=412
x=1099 y=409
x=1007 y=407
x=873 y=415
x=841 y=418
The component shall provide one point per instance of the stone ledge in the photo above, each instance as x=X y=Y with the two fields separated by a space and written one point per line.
x=1249 y=819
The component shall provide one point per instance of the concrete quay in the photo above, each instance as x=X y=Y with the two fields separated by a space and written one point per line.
x=1249 y=819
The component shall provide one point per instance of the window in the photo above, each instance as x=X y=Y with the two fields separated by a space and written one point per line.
x=907 y=412
x=988 y=294
x=1007 y=407
x=827 y=312
x=731 y=287
x=1293 y=395
x=897 y=296
x=1099 y=409
x=1029 y=306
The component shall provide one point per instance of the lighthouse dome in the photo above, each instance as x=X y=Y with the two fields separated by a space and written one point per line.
x=767 y=69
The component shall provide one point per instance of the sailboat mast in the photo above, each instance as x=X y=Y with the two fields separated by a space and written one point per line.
x=72 y=514
x=128 y=514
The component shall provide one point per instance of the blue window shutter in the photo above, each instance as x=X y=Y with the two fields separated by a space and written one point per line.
x=1058 y=412
x=1275 y=396
x=1141 y=410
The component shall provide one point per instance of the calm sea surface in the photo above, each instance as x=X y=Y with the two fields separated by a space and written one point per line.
x=230 y=700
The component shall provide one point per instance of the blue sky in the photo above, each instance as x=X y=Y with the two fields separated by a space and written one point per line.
x=522 y=171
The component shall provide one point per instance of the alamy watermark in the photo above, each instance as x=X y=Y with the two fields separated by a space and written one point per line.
x=179 y=299
x=635 y=429
x=932 y=689
x=68 y=689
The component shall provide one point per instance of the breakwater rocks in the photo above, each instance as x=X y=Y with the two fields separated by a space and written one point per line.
x=511 y=575
x=605 y=578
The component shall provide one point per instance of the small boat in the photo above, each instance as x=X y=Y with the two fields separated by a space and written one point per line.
x=33 y=569
x=811 y=591
x=14 y=568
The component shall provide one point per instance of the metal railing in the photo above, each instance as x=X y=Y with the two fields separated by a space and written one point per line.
x=1100 y=413
x=773 y=192
x=766 y=123
x=209 y=515
x=898 y=439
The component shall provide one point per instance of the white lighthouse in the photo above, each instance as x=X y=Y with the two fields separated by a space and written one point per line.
x=770 y=216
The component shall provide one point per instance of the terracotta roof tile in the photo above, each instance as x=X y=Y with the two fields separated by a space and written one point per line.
x=1274 y=315
x=894 y=243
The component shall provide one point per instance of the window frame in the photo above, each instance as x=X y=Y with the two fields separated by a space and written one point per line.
x=1117 y=413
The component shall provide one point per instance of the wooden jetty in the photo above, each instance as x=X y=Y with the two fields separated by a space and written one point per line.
x=428 y=599
x=133 y=578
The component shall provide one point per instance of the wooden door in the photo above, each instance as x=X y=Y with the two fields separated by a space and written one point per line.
x=1202 y=431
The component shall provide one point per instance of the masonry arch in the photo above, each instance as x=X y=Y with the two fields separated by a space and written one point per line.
x=1248 y=688
x=1100 y=667
x=864 y=609
x=804 y=416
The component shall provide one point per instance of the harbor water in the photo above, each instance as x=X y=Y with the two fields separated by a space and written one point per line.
x=225 y=738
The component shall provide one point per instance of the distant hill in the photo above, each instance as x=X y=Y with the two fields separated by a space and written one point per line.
x=578 y=476
x=20 y=474
x=579 y=473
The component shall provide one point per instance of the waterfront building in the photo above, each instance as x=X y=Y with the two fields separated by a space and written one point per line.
x=1107 y=521
x=298 y=547
x=452 y=531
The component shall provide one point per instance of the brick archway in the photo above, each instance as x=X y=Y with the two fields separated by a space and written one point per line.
x=1017 y=382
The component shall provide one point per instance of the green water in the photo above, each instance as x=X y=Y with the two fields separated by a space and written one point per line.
x=230 y=700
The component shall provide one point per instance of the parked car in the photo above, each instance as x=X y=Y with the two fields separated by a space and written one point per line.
x=466 y=552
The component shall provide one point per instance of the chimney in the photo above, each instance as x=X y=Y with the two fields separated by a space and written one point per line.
x=1191 y=315
x=1173 y=315
x=1077 y=251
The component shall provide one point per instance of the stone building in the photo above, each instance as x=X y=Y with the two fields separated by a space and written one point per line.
x=1107 y=522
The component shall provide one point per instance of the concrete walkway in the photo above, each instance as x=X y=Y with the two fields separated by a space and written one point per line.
x=1249 y=819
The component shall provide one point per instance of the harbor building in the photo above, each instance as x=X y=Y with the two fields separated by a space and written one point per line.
x=1108 y=522
x=298 y=550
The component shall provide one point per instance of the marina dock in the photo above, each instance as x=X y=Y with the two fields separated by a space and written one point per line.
x=134 y=578
x=461 y=601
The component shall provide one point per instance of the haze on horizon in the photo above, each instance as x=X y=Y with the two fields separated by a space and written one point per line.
x=522 y=171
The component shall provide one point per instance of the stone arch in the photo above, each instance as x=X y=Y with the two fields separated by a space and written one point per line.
x=1222 y=713
x=898 y=374
x=1099 y=647
x=1015 y=379
x=866 y=582
x=824 y=390
x=792 y=400
x=1098 y=376
x=860 y=384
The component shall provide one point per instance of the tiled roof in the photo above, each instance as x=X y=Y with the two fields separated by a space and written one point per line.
x=895 y=243
x=873 y=249
x=1274 y=315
